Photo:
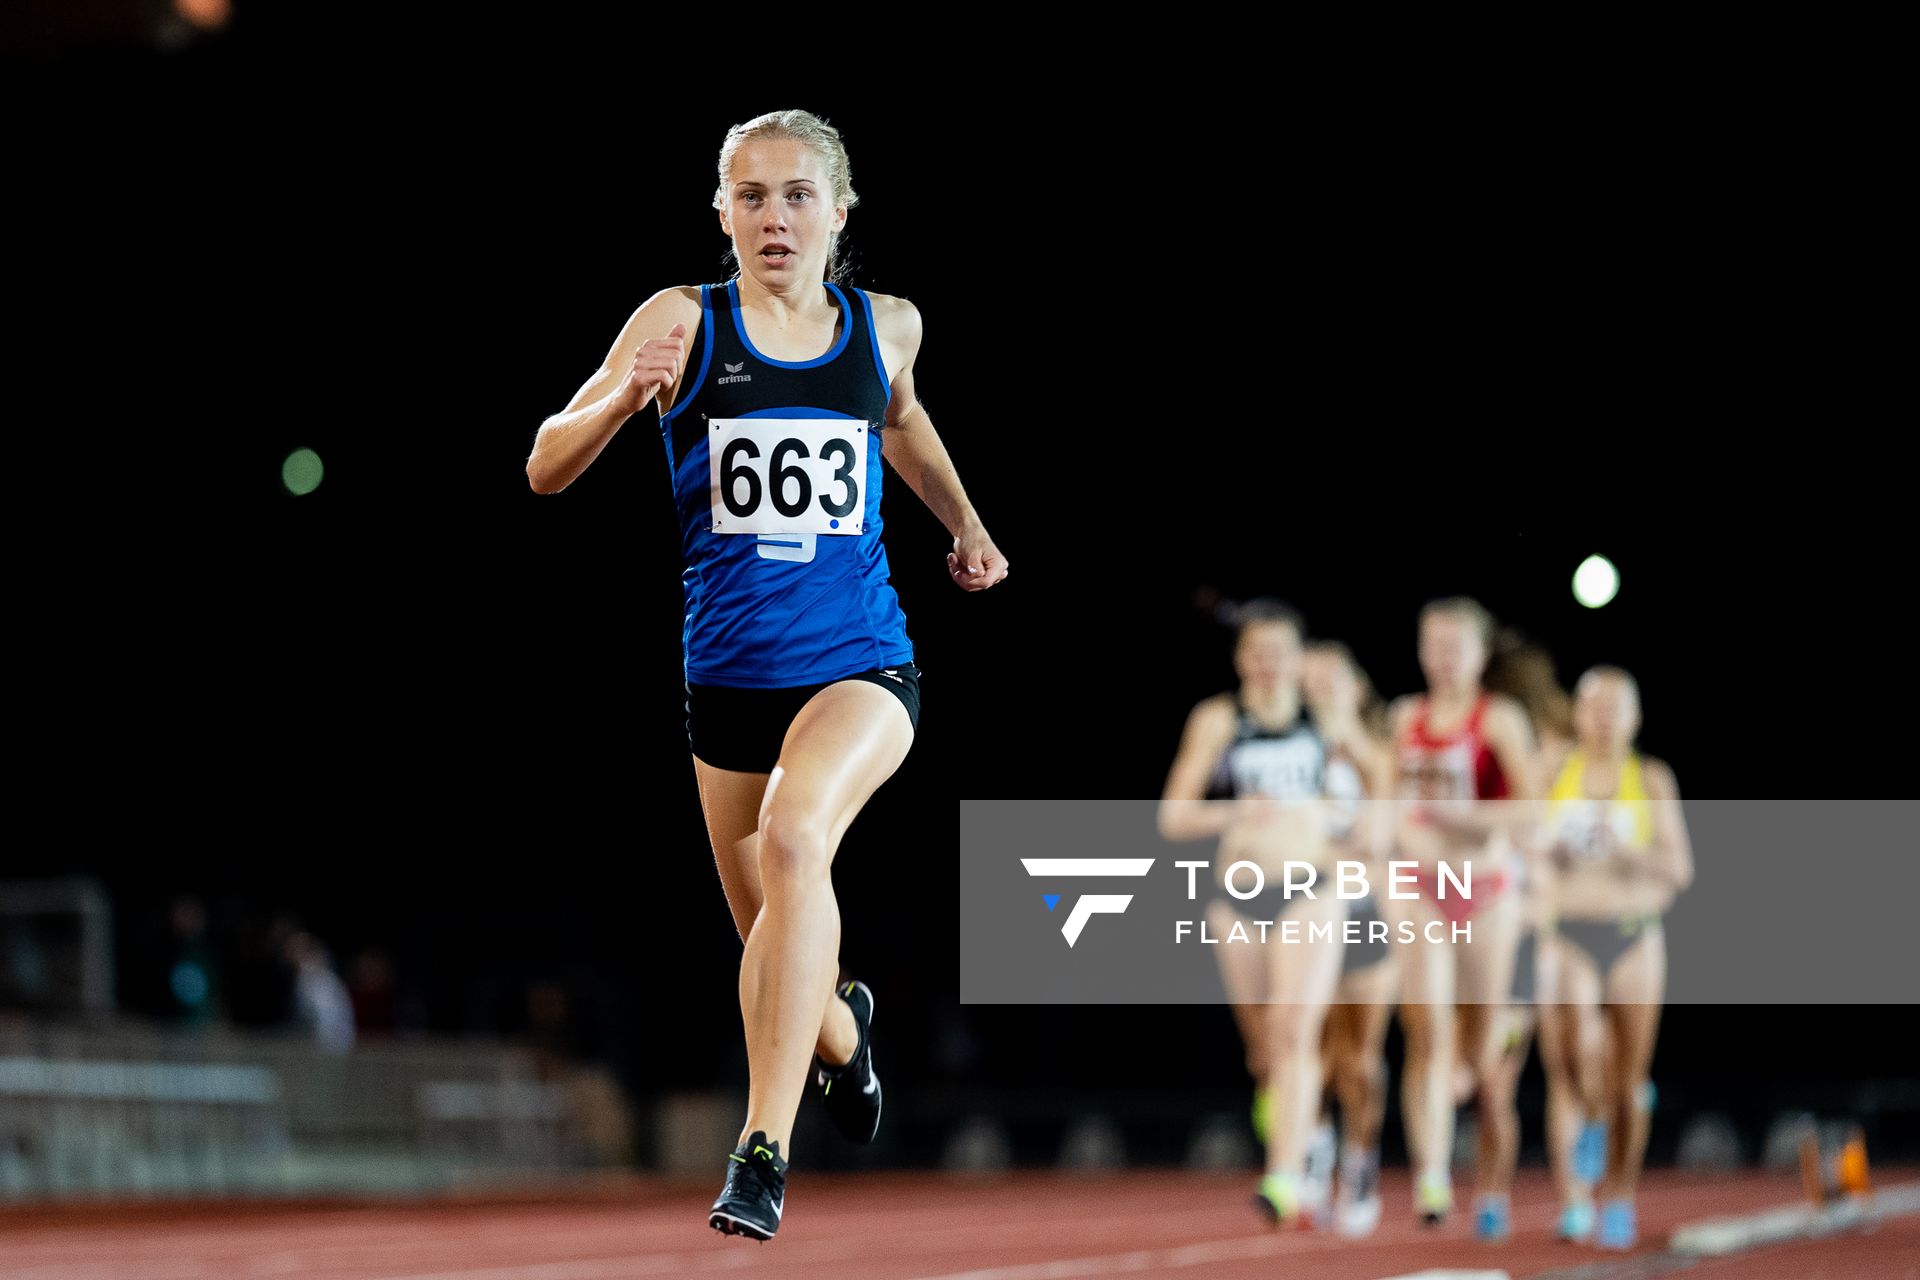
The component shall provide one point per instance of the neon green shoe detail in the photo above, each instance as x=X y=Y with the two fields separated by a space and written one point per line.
x=1278 y=1198
x=1433 y=1200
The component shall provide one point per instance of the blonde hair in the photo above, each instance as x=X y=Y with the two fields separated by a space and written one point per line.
x=817 y=134
x=1468 y=609
x=1606 y=671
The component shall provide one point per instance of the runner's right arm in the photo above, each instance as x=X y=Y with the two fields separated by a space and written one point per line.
x=645 y=361
x=1185 y=813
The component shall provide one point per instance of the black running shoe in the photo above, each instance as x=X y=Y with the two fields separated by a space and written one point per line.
x=852 y=1092
x=749 y=1205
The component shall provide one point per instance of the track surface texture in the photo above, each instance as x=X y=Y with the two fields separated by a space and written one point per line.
x=1029 y=1226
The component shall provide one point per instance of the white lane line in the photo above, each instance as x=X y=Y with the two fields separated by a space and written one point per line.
x=1200 y=1254
x=644 y=1264
x=1713 y=1237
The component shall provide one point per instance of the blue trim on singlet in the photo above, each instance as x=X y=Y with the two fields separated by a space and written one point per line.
x=686 y=395
x=846 y=331
x=873 y=335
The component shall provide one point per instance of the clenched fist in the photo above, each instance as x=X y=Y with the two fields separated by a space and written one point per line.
x=655 y=368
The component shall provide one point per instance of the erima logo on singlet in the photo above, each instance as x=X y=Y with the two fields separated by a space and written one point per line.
x=734 y=369
x=1091 y=904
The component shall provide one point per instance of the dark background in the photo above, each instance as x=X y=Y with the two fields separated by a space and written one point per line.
x=1354 y=349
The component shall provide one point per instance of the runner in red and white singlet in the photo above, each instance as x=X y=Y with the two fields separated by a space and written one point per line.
x=1459 y=751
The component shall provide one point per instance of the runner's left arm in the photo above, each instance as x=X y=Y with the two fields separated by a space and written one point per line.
x=913 y=449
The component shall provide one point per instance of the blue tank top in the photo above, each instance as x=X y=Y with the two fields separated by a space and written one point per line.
x=770 y=610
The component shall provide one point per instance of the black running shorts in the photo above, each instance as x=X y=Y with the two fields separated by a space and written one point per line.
x=742 y=729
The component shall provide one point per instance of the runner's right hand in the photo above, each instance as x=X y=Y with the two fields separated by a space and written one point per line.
x=655 y=368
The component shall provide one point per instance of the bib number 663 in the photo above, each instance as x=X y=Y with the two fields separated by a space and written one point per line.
x=788 y=475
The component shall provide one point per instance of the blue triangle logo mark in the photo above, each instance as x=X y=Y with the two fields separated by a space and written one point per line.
x=1051 y=899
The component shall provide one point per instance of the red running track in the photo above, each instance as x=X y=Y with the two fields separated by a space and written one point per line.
x=1038 y=1226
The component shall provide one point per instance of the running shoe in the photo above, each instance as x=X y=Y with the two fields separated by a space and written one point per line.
x=1262 y=1113
x=1432 y=1200
x=1618 y=1230
x=1492 y=1218
x=1576 y=1223
x=1278 y=1199
x=851 y=1091
x=750 y=1203
x=1316 y=1181
x=1356 y=1209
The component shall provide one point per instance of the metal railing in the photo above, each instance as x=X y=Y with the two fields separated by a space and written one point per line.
x=136 y=1110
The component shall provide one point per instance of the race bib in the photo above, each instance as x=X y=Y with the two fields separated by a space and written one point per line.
x=1591 y=828
x=788 y=475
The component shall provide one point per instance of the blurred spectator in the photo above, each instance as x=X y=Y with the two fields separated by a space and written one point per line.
x=550 y=1027
x=371 y=986
x=193 y=990
x=322 y=1007
x=262 y=986
x=24 y=969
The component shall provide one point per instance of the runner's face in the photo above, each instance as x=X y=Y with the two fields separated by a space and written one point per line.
x=1315 y=677
x=1268 y=656
x=1606 y=713
x=1451 y=652
x=778 y=193
x=1327 y=681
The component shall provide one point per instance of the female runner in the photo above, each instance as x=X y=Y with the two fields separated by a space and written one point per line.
x=1352 y=722
x=1250 y=770
x=1458 y=746
x=779 y=393
x=1525 y=673
x=1617 y=841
